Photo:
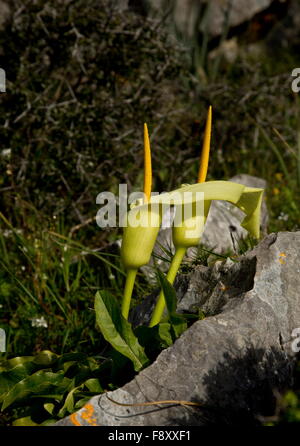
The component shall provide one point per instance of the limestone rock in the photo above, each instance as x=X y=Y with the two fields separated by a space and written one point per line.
x=189 y=15
x=5 y=13
x=232 y=362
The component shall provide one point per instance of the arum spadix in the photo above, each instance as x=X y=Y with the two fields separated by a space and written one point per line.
x=140 y=232
x=246 y=198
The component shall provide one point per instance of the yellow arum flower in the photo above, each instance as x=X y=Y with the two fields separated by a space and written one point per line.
x=195 y=220
x=140 y=232
x=246 y=198
x=143 y=223
x=181 y=238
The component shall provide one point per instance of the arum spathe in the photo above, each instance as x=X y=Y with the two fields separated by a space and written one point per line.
x=246 y=198
x=140 y=231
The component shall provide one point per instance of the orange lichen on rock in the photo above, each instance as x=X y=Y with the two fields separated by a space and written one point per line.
x=73 y=419
x=281 y=258
x=86 y=415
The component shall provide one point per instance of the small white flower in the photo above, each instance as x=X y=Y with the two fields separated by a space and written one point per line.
x=6 y=153
x=39 y=322
x=282 y=216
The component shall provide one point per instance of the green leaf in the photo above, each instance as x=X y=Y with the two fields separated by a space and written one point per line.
x=39 y=382
x=80 y=403
x=177 y=321
x=117 y=331
x=9 y=378
x=45 y=358
x=164 y=333
x=179 y=324
x=154 y=339
x=69 y=403
x=49 y=407
x=25 y=421
x=169 y=293
x=18 y=360
x=93 y=385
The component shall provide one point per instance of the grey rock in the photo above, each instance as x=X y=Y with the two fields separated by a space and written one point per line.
x=239 y=11
x=286 y=33
x=189 y=15
x=5 y=13
x=230 y=363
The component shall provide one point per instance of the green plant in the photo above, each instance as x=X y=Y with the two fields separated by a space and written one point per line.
x=139 y=236
x=38 y=390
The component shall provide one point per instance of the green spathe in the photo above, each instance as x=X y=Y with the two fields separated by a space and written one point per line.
x=248 y=199
x=140 y=236
x=138 y=241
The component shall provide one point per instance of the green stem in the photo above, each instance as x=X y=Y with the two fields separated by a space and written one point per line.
x=130 y=279
x=160 y=304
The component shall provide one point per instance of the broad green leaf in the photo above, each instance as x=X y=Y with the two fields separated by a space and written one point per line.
x=154 y=339
x=69 y=403
x=80 y=403
x=39 y=382
x=9 y=378
x=70 y=357
x=49 y=407
x=179 y=324
x=11 y=363
x=45 y=358
x=164 y=333
x=25 y=421
x=117 y=331
x=93 y=385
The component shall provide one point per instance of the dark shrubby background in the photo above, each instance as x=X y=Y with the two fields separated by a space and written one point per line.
x=82 y=79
